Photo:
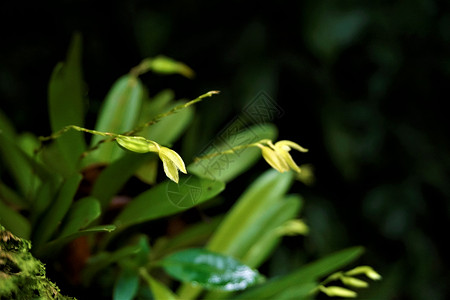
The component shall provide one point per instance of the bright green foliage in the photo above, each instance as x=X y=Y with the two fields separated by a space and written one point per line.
x=64 y=190
x=210 y=270
x=21 y=275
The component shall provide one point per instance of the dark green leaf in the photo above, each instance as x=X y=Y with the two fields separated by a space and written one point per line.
x=14 y=221
x=126 y=285
x=53 y=246
x=210 y=270
x=104 y=259
x=80 y=215
x=168 y=198
x=66 y=103
x=119 y=114
x=308 y=273
x=57 y=210
x=112 y=179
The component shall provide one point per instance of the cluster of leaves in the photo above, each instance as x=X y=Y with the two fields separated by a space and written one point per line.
x=48 y=205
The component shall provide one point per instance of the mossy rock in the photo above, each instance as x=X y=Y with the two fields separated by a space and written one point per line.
x=21 y=275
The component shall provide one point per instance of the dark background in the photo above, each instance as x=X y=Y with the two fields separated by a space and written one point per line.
x=363 y=85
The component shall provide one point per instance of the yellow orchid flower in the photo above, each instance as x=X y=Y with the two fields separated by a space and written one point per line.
x=172 y=161
x=277 y=155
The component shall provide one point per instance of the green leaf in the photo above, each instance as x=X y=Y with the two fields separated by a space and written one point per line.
x=159 y=291
x=21 y=167
x=241 y=226
x=9 y=196
x=266 y=237
x=66 y=103
x=308 y=273
x=54 y=246
x=57 y=210
x=118 y=114
x=115 y=175
x=228 y=166
x=104 y=259
x=80 y=215
x=168 y=198
x=44 y=196
x=126 y=285
x=210 y=270
x=6 y=127
x=14 y=221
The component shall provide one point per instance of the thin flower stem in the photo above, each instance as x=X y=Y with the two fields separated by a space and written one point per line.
x=229 y=151
x=170 y=112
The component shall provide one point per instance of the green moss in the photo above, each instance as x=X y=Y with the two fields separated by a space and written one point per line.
x=21 y=275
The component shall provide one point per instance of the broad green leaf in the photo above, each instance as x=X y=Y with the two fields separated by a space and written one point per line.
x=267 y=237
x=227 y=166
x=301 y=291
x=308 y=273
x=168 y=198
x=240 y=228
x=66 y=103
x=115 y=175
x=118 y=114
x=53 y=246
x=81 y=214
x=52 y=157
x=57 y=210
x=126 y=285
x=210 y=270
x=25 y=170
x=14 y=221
x=159 y=290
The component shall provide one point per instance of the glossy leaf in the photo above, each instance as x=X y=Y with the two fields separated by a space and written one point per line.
x=308 y=273
x=66 y=103
x=80 y=215
x=210 y=270
x=126 y=285
x=44 y=196
x=168 y=198
x=118 y=114
x=57 y=210
x=227 y=166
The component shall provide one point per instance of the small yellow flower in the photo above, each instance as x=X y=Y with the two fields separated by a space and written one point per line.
x=277 y=155
x=172 y=162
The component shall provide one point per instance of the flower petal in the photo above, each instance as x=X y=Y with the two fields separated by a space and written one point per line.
x=173 y=157
x=288 y=159
x=274 y=160
x=170 y=169
x=291 y=145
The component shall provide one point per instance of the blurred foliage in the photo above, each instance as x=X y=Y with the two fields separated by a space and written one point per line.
x=360 y=83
